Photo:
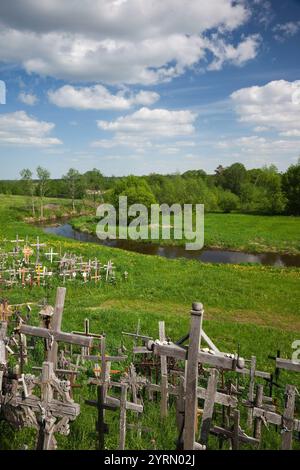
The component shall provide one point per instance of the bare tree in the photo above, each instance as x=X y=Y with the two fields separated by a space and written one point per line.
x=43 y=176
x=26 y=175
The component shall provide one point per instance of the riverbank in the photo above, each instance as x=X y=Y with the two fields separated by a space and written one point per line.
x=236 y=232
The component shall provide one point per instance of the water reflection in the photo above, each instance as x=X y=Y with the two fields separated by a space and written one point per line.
x=172 y=252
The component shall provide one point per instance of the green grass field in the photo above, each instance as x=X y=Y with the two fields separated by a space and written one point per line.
x=253 y=306
x=241 y=232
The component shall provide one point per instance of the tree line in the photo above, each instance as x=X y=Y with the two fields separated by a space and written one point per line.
x=234 y=188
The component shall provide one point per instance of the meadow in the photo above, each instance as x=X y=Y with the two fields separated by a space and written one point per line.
x=252 y=307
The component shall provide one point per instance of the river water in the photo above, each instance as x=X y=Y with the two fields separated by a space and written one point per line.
x=173 y=252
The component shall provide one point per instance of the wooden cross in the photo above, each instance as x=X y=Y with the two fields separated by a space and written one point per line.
x=194 y=356
x=86 y=332
x=22 y=272
x=38 y=271
x=51 y=254
x=101 y=426
x=54 y=333
x=45 y=413
x=6 y=311
x=27 y=252
x=38 y=245
x=109 y=269
x=17 y=241
x=286 y=421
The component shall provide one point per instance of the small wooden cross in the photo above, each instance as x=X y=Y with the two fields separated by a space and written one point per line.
x=17 y=241
x=38 y=245
x=50 y=255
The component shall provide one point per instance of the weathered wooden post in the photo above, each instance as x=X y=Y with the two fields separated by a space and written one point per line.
x=192 y=376
x=288 y=418
x=164 y=375
x=56 y=322
x=123 y=413
x=251 y=392
x=209 y=405
x=258 y=404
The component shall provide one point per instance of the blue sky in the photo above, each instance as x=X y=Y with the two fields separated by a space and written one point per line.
x=129 y=86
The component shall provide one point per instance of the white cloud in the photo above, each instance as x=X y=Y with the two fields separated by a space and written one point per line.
x=260 y=150
x=28 y=98
x=19 y=128
x=153 y=123
x=239 y=55
x=274 y=106
x=286 y=30
x=122 y=41
x=99 y=97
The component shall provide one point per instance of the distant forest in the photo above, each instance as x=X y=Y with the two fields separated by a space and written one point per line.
x=233 y=188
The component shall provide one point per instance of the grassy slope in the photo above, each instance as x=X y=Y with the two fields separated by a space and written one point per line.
x=257 y=307
x=254 y=233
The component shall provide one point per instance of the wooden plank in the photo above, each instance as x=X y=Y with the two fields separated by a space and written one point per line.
x=220 y=398
x=217 y=430
x=56 y=322
x=215 y=360
x=69 y=338
x=251 y=391
x=164 y=375
x=258 y=404
x=287 y=364
x=274 y=418
x=129 y=406
x=236 y=430
x=123 y=408
x=209 y=405
x=192 y=376
x=3 y=332
x=288 y=418
x=209 y=341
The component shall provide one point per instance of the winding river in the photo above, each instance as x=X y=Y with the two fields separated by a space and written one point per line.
x=172 y=252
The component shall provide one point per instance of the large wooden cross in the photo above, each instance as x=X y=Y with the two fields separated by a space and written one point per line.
x=48 y=413
x=193 y=357
x=54 y=333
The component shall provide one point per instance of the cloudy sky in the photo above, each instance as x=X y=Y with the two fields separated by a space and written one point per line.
x=139 y=86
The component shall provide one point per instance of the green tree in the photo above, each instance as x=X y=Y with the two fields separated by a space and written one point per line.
x=72 y=179
x=94 y=183
x=291 y=188
x=43 y=176
x=228 y=201
x=232 y=177
x=26 y=176
x=136 y=189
